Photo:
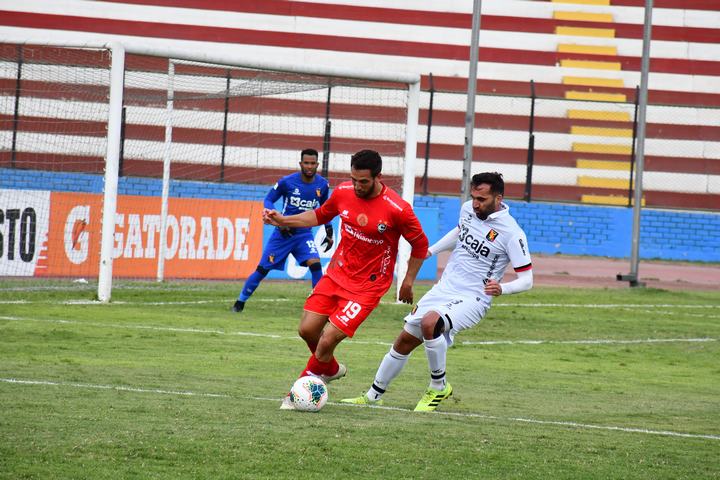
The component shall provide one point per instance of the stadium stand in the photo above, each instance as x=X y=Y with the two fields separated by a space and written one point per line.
x=582 y=55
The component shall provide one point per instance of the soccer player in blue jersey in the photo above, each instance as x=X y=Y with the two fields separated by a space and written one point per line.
x=301 y=191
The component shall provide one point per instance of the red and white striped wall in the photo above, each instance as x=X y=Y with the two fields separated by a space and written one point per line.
x=577 y=52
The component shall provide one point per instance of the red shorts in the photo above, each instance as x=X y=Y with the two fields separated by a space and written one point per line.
x=344 y=309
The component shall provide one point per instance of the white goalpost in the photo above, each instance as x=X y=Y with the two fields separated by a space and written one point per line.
x=201 y=125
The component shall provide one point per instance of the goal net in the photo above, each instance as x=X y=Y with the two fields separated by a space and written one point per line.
x=183 y=159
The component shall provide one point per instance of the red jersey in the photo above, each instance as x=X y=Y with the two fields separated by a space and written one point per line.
x=370 y=231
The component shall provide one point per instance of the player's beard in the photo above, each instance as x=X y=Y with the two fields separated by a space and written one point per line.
x=365 y=193
x=483 y=214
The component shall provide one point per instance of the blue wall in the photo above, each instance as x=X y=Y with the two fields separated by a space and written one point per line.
x=604 y=231
x=550 y=227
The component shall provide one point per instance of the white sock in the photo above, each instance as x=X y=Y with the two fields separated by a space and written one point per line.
x=390 y=367
x=436 y=351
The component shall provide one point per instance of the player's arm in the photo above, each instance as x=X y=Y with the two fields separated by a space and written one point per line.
x=304 y=219
x=522 y=264
x=447 y=242
x=406 y=288
x=310 y=218
x=273 y=195
x=413 y=233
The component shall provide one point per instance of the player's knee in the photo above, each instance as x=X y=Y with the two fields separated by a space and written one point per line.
x=414 y=330
x=432 y=326
x=306 y=334
x=315 y=267
x=262 y=270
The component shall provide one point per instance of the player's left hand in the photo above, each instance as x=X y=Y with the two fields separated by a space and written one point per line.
x=329 y=238
x=406 y=293
x=493 y=288
x=327 y=243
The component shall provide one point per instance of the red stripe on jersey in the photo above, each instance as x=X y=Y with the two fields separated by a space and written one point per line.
x=524 y=268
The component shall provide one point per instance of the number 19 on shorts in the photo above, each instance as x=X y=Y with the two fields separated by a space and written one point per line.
x=349 y=311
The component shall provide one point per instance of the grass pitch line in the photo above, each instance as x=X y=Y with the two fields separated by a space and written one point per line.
x=118 y=388
x=608 y=341
x=121 y=302
x=188 y=393
x=602 y=305
x=85 y=301
x=148 y=327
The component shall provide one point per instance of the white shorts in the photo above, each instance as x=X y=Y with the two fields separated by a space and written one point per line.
x=458 y=311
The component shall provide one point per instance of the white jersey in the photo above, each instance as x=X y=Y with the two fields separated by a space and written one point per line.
x=483 y=250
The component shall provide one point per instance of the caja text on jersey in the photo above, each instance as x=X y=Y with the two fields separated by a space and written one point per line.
x=474 y=246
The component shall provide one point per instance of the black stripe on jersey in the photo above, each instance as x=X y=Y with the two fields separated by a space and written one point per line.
x=523 y=268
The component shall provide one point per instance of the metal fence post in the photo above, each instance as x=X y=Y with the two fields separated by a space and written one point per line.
x=326 y=136
x=225 y=127
x=531 y=145
x=427 y=140
x=16 y=113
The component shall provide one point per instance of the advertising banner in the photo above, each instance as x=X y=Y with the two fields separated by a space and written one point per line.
x=24 y=219
x=58 y=234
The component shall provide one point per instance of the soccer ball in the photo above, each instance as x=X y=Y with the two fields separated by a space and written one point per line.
x=308 y=394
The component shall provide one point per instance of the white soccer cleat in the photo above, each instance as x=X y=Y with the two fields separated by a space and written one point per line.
x=287 y=404
x=342 y=371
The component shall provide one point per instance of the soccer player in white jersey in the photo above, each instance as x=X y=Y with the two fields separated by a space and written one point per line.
x=486 y=240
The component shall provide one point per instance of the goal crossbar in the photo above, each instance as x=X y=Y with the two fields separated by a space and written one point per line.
x=118 y=50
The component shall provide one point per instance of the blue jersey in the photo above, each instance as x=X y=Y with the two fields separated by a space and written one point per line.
x=298 y=196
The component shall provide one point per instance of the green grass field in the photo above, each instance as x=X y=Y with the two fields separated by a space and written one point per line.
x=166 y=382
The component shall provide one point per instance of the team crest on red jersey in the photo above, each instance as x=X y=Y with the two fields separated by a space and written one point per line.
x=491 y=235
x=382 y=227
x=362 y=219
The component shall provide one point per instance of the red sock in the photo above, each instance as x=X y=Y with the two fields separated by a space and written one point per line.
x=316 y=367
x=333 y=367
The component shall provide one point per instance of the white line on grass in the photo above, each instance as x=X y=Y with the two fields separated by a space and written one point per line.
x=146 y=327
x=379 y=407
x=84 y=301
x=121 y=302
x=119 y=388
x=607 y=341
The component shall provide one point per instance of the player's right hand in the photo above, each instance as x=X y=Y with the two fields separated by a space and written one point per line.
x=493 y=288
x=406 y=293
x=268 y=217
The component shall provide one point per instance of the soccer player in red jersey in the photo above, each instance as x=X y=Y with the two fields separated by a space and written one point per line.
x=374 y=217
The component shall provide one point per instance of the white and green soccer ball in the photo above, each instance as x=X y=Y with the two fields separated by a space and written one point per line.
x=309 y=394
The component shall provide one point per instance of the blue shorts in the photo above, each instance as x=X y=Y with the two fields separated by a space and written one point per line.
x=301 y=244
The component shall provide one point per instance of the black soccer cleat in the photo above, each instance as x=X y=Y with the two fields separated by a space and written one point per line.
x=238 y=306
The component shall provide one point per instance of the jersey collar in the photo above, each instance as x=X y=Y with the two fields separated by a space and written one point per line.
x=504 y=211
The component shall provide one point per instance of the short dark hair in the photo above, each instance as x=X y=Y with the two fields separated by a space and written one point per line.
x=367 y=160
x=494 y=179
x=309 y=151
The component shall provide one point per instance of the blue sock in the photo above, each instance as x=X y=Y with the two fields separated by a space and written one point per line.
x=316 y=272
x=250 y=285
